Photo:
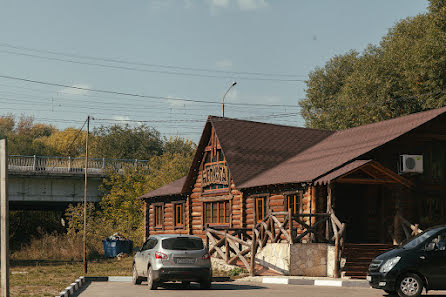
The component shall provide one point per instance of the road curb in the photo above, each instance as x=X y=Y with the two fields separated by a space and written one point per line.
x=73 y=287
x=81 y=281
x=316 y=282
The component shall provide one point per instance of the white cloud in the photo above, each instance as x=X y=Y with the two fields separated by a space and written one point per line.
x=187 y=3
x=219 y=3
x=121 y=118
x=78 y=89
x=244 y=5
x=251 y=4
x=224 y=64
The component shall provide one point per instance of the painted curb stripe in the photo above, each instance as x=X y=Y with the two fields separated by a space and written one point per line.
x=273 y=280
x=304 y=282
x=331 y=283
x=119 y=278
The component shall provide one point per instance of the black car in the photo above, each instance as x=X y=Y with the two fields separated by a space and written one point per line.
x=418 y=264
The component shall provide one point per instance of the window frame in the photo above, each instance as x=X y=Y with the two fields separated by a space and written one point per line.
x=297 y=196
x=181 y=205
x=156 y=216
x=265 y=205
x=227 y=205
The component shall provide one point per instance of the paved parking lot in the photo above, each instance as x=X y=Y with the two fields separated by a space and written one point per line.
x=121 y=289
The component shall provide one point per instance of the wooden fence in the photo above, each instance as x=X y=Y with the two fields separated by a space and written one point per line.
x=233 y=244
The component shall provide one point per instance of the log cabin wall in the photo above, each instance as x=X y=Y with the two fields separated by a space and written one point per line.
x=167 y=216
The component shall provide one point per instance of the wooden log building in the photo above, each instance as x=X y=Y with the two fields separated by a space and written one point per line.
x=374 y=177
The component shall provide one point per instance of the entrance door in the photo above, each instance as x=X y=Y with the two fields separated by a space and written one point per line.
x=360 y=207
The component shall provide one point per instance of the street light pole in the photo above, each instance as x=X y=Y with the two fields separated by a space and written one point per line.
x=223 y=102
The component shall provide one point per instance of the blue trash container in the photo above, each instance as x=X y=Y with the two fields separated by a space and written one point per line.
x=113 y=247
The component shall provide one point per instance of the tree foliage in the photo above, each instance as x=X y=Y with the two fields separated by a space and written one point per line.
x=126 y=142
x=405 y=73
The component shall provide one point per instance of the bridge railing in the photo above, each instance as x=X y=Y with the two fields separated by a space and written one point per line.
x=47 y=164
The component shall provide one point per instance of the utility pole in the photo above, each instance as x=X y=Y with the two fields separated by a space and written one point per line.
x=4 y=218
x=223 y=101
x=85 y=197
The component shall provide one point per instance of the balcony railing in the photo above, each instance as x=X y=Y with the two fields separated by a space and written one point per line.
x=45 y=164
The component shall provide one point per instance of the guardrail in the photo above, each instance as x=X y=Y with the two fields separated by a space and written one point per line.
x=48 y=164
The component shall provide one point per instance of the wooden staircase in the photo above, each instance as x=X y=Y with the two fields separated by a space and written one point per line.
x=359 y=256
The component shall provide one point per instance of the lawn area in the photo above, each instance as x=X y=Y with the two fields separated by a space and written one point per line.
x=48 y=278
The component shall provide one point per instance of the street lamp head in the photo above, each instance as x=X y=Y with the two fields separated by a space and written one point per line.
x=233 y=83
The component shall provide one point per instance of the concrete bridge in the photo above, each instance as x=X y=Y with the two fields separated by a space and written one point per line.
x=37 y=182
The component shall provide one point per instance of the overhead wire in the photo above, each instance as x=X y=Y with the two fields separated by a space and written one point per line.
x=120 y=61
x=136 y=95
x=152 y=71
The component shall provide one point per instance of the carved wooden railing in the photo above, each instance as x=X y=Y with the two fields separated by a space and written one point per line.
x=339 y=241
x=401 y=224
x=233 y=244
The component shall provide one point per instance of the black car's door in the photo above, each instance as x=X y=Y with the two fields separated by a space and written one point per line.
x=433 y=264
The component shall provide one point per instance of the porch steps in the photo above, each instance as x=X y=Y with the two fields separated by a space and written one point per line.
x=358 y=257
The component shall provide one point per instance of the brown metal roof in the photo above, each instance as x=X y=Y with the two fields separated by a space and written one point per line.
x=174 y=188
x=340 y=171
x=261 y=154
x=252 y=148
x=363 y=172
x=340 y=148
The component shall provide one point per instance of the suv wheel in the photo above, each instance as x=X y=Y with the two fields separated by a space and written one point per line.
x=410 y=285
x=150 y=283
x=136 y=280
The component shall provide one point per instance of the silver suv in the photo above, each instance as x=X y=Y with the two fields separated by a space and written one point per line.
x=173 y=257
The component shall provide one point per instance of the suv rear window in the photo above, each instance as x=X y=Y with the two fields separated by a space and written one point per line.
x=182 y=243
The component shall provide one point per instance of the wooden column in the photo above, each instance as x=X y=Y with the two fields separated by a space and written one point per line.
x=4 y=239
x=396 y=223
x=253 y=252
x=146 y=221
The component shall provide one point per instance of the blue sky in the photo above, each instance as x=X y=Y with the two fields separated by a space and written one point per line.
x=166 y=41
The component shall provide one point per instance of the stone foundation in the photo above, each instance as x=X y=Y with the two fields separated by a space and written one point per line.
x=275 y=256
x=312 y=259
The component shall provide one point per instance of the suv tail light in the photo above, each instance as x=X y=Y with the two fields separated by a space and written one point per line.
x=206 y=256
x=159 y=255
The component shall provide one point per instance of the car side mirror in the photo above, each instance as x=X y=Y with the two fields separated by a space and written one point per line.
x=430 y=247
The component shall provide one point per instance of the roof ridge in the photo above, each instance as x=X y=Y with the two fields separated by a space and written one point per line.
x=212 y=117
x=392 y=119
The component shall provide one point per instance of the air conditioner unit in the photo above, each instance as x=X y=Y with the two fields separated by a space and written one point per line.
x=411 y=163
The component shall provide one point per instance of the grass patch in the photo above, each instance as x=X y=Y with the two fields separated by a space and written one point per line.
x=32 y=278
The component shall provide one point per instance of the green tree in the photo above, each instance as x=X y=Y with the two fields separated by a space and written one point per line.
x=405 y=73
x=125 y=142
x=179 y=145
x=69 y=142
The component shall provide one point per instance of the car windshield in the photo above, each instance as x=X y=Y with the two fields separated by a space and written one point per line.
x=182 y=243
x=419 y=239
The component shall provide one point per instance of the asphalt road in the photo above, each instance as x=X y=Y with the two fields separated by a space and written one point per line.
x=121 y=289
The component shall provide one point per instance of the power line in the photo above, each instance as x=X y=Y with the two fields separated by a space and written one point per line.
x=152 y=71
x=136 y=95
x=135 y=99
x=77 y=134
x=119 y=61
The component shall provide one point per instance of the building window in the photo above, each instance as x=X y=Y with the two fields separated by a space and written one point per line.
x=179 y=214
x=158 y=215
x=260 y=208
x=217 y=212
x=293 y=203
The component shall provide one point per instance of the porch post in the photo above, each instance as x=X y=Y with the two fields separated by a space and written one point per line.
x=329 y=209
x=396 y=223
